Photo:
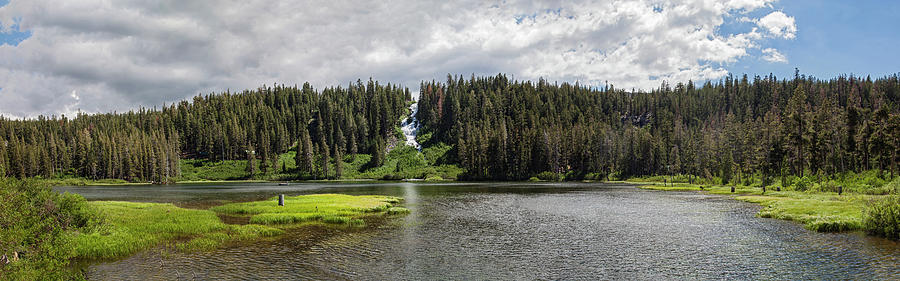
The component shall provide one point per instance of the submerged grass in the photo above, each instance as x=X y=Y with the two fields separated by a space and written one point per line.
x=130 y=227
x=327 y=208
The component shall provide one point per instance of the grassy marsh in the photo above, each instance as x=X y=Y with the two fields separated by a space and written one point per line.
x=130 y=227
x=327 y=208
x=817 y=211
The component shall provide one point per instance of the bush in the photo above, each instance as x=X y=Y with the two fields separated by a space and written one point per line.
x=35 y=223
x=549 y=176
x=803 y=184
x=882 y=217
x=595 y=177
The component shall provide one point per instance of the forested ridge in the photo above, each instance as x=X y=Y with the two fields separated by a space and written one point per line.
x=145 y=145
x=732 y=130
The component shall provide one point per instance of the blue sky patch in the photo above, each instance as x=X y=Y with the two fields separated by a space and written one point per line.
x=14 y=36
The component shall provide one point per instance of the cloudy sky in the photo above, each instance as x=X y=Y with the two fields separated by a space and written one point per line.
x=59 y=57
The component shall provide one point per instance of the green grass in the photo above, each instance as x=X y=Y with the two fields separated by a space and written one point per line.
x=817 y=211
x=397 y=210
x=130 y=227
x=326 y=208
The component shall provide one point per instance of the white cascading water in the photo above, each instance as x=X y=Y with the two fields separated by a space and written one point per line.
x=410 y=126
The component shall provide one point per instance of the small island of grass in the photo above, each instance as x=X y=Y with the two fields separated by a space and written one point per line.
x=128 y=227
x=326 y=208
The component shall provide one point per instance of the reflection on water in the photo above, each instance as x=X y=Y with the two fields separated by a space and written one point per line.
x=516 y=231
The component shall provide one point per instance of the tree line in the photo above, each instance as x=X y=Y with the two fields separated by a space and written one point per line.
x=146 y=145
x=731 y=129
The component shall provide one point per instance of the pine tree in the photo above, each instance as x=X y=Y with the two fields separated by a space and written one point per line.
x=305 y=154
x=324 y=153
x=251 y=160
x=796 y=127
x=338 y=164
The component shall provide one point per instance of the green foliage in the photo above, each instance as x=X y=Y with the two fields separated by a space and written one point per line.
x=748 y=131
x=434 y=179
x=252 y=126
x=397 y=210
x=437 y=154
x=198 y=170
x=34 y=222
x=882 y=217
x=549 y=176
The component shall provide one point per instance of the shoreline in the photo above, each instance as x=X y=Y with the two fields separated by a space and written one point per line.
x=816 y=211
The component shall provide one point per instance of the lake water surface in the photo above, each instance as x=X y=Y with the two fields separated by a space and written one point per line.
x=513 y=231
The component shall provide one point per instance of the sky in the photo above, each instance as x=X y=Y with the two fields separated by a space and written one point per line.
x=64 y=57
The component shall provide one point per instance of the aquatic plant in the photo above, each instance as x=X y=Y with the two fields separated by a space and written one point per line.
x=397 y=210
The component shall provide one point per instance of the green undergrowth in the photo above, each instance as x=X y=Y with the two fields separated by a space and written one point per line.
x=130 y=227
x=883 y=217
x=403 y=162
x=335 y=209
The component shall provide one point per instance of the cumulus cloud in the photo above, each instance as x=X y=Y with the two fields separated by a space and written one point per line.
x=779 y=24
x=96 y=55
x=772 y=55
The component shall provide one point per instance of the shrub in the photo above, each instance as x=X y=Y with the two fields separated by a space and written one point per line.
x=549 y=176
x=882 y=217
x=34 y=224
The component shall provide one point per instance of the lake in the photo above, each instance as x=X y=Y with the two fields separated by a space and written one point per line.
x=512 y=231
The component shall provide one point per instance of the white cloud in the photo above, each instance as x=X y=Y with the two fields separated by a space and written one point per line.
x=748 y=5
x=779 y=25
x=96 y=55
x=772 y=55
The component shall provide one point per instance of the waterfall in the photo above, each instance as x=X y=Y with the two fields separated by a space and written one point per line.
x=410 y=126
